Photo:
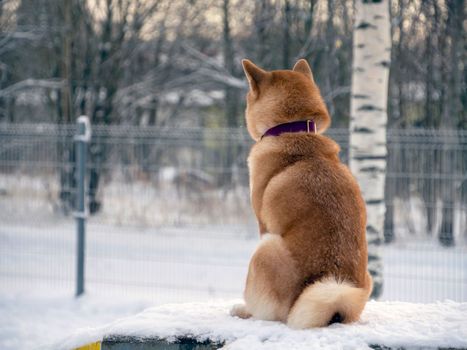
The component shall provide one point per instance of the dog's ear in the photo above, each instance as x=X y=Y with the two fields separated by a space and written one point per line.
x=254 y=75
x=303 y=67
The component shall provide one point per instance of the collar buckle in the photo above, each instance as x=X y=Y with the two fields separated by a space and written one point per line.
x=313 y=126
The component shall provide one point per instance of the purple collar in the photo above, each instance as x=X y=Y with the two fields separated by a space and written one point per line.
x=298 y=126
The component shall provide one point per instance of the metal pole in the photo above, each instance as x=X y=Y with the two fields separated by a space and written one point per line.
x=82 y=138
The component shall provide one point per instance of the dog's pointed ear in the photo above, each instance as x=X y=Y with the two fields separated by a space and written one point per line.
x=254 y=74
x=303 y=67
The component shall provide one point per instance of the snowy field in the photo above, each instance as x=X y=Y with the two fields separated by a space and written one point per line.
x=201 y=262
x=129 y=269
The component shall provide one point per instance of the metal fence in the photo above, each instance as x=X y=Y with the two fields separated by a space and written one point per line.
x=171 y=217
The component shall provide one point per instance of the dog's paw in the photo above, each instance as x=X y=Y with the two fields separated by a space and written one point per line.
x=239 y=310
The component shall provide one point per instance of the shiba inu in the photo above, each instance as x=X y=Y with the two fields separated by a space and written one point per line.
x=310 y=267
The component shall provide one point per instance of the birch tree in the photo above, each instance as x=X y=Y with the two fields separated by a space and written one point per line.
x=368 y=107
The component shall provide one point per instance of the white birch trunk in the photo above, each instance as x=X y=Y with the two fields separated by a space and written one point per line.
x=370 y=74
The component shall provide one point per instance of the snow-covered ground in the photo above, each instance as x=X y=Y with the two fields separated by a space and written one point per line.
x=202 y=262
x=129 y=269
x=59 y=322
x=36 y=319
x=382 y=323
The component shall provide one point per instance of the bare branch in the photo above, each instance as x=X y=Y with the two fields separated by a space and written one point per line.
x=33 y=83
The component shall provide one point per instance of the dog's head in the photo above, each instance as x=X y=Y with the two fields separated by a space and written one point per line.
x=282 y=96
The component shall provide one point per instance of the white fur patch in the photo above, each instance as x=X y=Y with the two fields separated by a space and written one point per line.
x=263 y=307
x=260 y=301
x=319 y=302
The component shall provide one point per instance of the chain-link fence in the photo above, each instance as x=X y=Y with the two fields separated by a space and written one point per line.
x=170 y=214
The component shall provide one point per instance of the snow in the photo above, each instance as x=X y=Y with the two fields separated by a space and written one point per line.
x=129 y=269
x=53 y=321
x=393 y=324
x=194 y=263
x=37 y=318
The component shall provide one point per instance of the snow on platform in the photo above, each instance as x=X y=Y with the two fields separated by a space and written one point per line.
x=387 y=324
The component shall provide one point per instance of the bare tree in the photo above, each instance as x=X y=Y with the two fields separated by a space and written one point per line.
x=371 y=59
x=118 y=61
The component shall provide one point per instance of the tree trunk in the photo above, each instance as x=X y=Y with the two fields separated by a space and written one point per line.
x=231 y=96
x=371 y=58
x=329 y=63
x=393 y=157
x=400 y=72
x=453 y=112
x=107 y=76
x=429 y=120
x=286 y=36
x=393 y=153
x=66 y=70
x=456 y=15
x=307 y=38
x=65 y=146
x=261 y=23
x=230 y=101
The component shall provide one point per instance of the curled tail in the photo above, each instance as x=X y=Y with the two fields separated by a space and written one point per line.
x=328 y=301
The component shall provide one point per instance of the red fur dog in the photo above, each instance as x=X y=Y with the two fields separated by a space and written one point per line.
x=310 y=268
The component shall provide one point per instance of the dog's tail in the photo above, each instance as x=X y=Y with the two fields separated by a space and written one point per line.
x=328 y=301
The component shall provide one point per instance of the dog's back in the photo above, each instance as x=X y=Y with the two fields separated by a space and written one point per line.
x=312 y=268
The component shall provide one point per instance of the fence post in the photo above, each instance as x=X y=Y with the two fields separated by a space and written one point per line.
x=82 y=138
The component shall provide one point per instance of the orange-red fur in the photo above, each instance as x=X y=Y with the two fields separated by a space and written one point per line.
x=311 y=263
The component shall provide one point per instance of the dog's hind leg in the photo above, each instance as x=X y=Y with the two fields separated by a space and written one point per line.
x=272 y=282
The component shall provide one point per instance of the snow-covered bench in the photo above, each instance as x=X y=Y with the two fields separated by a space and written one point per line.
x=383 y=325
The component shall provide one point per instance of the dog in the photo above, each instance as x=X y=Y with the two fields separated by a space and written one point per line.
x=310 y=267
